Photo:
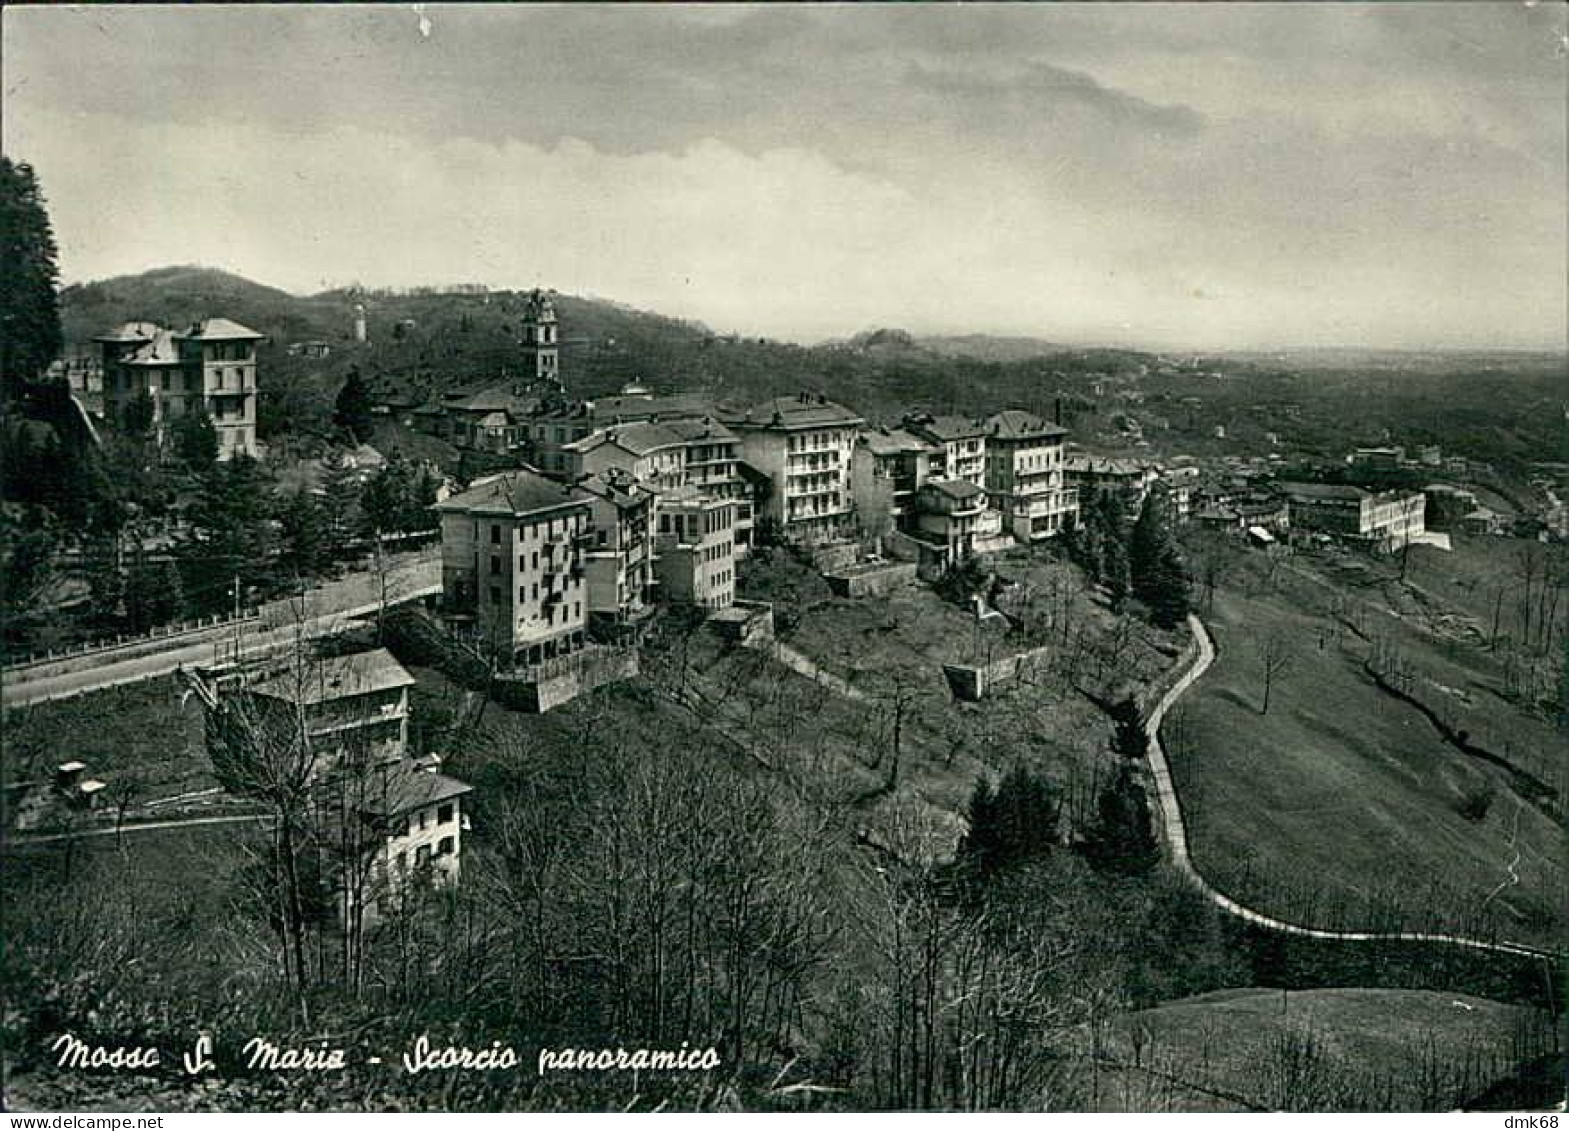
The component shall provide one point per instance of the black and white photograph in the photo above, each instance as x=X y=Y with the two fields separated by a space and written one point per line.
x=783 y=558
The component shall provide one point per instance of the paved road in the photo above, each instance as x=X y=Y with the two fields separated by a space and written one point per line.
x=327 y=610
x=1176 y=836
x=21 y=840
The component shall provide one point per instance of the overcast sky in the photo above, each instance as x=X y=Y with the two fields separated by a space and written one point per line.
x=1184 y=175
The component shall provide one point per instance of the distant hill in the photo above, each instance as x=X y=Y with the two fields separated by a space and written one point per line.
x=992 y=347
x=170 y=295
x=424 y=343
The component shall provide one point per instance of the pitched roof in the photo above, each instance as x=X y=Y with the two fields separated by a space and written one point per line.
x=336 y=677
x=1016 y=424
x=519 y=492
x=499 y=397
x=129 y=332
x=160 y=350
x=704 y=428
x=617 y=488
x=648 y=408
x=804 y=411
x=408 y=788
x=639 y=437
x=948 y=427
x=219 y=330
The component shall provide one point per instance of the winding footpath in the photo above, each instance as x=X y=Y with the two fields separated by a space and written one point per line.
x=1176 y=837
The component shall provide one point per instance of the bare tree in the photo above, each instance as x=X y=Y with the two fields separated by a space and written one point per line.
x=1277 y=656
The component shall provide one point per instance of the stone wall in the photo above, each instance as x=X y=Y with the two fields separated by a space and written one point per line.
x=745 y=622
x=831 y=557
x=974 y=682
x=563 y=680
x=873 y=581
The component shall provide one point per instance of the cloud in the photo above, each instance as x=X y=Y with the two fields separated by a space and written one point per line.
x=1326 y=172
x=1038 y=88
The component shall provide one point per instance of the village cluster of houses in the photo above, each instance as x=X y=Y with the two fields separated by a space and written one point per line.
x=616 y=505
x=333 y=731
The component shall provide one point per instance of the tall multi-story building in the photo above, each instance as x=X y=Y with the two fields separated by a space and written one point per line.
x=696 y=549
x=887 y=470
x=803 y=445
x=619 y=556
x=512 y=565
x=210 y=367
x=959 y=443
x=1024 y=475
x=713 y=466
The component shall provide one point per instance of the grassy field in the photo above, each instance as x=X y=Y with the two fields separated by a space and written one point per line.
x=1325 y=1050
x=1343 y=805
x=140 y=735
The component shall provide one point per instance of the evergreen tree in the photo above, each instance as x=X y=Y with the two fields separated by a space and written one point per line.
x=29 y=540
x=1129 y=737
x=1122 y=840
x=231 y=535
x=1149 y=542
x=340 y=503
x=1115 y=574
x=397 y=499
x=352 y=409
x=1011 y=823
x=139 y=414
x=1159 y=575
x=30 y=336
x=196 y=441
x=153 y=595
x=307 y=550
x=105 y=582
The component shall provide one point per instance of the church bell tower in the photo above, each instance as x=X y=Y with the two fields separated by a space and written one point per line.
x=540 y=361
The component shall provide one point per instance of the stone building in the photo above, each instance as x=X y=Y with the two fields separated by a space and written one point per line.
x=803 y=446
x=1024 y=475
x=696 y=546
x=513 y=565
x=959 y=445
x=1383 y=521
x=619 y=555
x=209 y=367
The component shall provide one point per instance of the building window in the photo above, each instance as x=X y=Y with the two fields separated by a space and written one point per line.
x=495 y=564
x=424 y=819
x=495 y=533
x=422 y=856
x=444 y=815
x=495 y=595
x=445 y=846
